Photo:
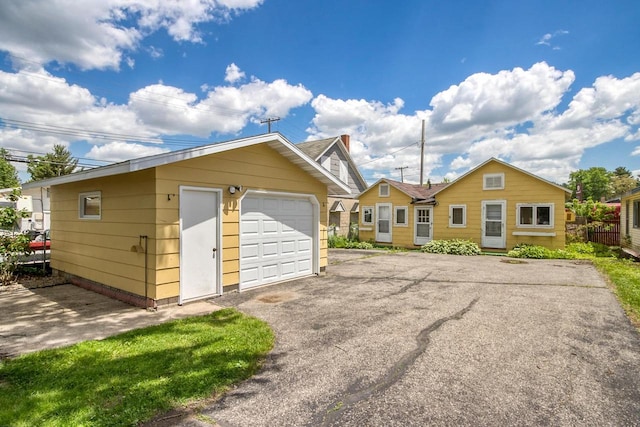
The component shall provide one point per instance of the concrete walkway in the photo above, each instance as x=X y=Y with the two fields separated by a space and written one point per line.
x=36 y=319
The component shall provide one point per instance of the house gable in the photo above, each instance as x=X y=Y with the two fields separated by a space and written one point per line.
x=534 y=207
x=333 y=155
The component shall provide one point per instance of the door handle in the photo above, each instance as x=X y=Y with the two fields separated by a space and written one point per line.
x=214 y=252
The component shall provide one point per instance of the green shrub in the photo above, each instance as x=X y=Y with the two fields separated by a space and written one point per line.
x=451 y=247
x=581 y=248
x=529 y=251
x=337 y=241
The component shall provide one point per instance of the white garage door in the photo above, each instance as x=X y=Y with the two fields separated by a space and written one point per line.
x=276 y=239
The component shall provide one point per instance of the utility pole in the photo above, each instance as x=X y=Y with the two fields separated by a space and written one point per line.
x=422 y=154
x=402 y=168
x=268 y=121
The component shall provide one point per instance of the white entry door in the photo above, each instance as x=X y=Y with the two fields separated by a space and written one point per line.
x=200 y=248
x=493 y=224
x=277 y=238
x=423 y=225
x=383 y=222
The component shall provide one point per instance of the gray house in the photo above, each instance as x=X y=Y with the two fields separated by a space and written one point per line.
x=333 y=155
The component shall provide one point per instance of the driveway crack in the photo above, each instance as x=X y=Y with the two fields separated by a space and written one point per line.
x=405 y=288
x=335 y=410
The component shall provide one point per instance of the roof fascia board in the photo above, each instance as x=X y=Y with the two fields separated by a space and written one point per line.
x=101 y=172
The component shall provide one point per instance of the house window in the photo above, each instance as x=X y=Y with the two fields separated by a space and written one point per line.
x=493 y=181
x=90 y=205
x=457 y=215
x=636 y=214
x=534 y=215
x=383 y=190
x=401 y=216
x=367 y=215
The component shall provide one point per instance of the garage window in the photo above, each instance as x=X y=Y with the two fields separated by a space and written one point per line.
x=90 y=205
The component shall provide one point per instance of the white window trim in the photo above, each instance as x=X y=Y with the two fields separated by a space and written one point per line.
x=464 y=216
x=551 y=207
x=364 y=210
x=380 y=190
x=395 y=216
x=81 y=198
x=492 y=175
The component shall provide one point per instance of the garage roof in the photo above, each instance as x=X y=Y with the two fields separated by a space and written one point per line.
x=273 y=140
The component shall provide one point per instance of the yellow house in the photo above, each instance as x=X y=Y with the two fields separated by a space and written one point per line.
x=630 y=221
x=495 y=205
x=193 y=223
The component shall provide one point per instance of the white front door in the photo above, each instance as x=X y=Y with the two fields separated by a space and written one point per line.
x=493 y=224
x=383 y=222
x=200 y=248
x=423 y=225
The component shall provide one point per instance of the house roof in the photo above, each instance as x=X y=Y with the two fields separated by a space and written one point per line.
x=273 y=140
x=419 y=194
x=337 y=207
x=493 y=159
x=315 y=150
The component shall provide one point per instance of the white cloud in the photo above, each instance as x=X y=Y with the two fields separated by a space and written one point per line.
x=38 y=31
x=512 y=115
x=233 y=74
x=636 y=152
x=225 y=109
x=39 y=110
x=118 y=151
x=546 y=39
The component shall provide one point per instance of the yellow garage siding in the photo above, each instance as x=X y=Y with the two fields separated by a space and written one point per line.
x=100 y=250
x=519 y=188
x=257 y=167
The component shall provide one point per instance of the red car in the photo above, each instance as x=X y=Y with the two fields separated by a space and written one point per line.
x=42 y=241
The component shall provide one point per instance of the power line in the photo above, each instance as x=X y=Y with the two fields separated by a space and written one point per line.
x=268 y=121
x=387 y=154
x=402 y=168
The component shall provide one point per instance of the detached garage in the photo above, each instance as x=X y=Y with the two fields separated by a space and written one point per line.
x=193 y=223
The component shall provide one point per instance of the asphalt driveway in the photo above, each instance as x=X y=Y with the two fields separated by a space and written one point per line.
x=416 y=339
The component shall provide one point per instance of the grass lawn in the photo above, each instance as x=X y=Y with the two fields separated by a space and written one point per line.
x=129 y=378
x=625 y=276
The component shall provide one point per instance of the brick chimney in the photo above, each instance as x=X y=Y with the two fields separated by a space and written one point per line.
x=345 y=141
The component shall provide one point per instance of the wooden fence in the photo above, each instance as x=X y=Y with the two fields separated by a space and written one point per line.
x=607 y=234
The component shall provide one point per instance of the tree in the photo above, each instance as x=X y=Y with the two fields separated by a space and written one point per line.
x=8 y=173
x=622 y=171
x=57 y=163
x=13 y=244
x=622 y=184
x=595 y=182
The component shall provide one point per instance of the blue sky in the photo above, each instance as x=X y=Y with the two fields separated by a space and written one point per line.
x=549 y=86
